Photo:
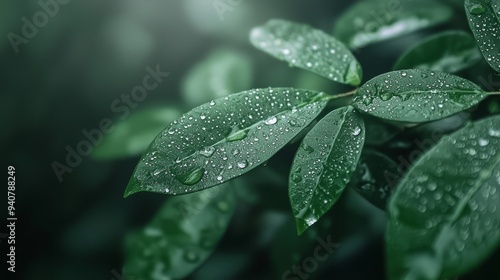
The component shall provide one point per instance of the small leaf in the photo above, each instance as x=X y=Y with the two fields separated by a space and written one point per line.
x=368 y=22
x=224 y=71
x=181 y=236
x=132 y=136
x=416 y=95
x=445 y=210
x=324 y=164
x=375 y=177
x=484 y=21
x=449 y=51
x=308 y=48
x=223 y=139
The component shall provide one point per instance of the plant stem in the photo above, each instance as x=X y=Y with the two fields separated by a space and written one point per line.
x=494 y=93
x=331 y=97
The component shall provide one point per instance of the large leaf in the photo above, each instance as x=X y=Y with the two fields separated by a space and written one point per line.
x=416 y=95
x=181 y=236
x=132 y=135
x=372 y=21
x=223 y=139
x=308 y=48
x=324 y=164
x=484 y=21
x=224 y=71
x=449 y=51
x=444 y=219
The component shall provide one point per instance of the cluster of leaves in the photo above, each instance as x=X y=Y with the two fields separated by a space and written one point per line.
x=446 y=204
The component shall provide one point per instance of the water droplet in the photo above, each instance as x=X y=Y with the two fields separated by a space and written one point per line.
x=296 y=178
x=212 y=103
x=404 y=74
x=167 y=190
x=237 y=135
x=242 y=164
x=207 y=151
x=356 y=131
x=493 y=132
x=156 y=172
x=192 y=177
x=307 y=148
x=483 y=142
x=286 y=51
x=309 y=64
x=386 y=96
x=203 y=117
x=476 y=8
x=271 y=121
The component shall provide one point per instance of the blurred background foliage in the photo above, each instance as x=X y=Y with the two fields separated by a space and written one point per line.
x=91 y=52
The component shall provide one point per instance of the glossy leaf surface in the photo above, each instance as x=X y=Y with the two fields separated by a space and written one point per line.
x=223 y=139
x=308 y=48
x=484 y=21
x=324 y=164
x=447 y=205
x=368 y=22
x=416 y=95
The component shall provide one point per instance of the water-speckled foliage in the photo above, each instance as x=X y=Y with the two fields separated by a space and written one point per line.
x=416 y=95
x=372 y=21
x=308 y=48
x=449 y=51
x=484 y=21
x=181 y=236
x=223 y=139
x=447 y=205
x=324 y=164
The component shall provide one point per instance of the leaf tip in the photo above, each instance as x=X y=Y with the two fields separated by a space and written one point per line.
x=354 y=74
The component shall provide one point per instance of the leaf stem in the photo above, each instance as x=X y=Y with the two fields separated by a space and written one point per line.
x=494 y=93
x=331 y=97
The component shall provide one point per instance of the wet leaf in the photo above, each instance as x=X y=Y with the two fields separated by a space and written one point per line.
x=224 y=71
x=324 y=164
x=375 y=177
x=132 y=136
x=368 y=22
x=416 y=95
x=181 y=236
x=447 y=206
x=223 y=139
x=484 y=21
x=449 y=51
x=308 y=48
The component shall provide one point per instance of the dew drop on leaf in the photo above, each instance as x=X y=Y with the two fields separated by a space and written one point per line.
x=192 y=177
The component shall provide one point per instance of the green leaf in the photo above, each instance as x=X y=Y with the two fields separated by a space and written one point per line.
x=224 y=139
x=181 y=236
x=449 y=51
x=308 y=48
x=484 y=21
x=416 y=95
x=444 y=212
x=368 y=22
x=375 y=177
x=132 y=136
x=324 y=164
x=224 y=71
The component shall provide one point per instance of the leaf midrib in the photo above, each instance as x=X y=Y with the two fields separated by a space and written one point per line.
x=314 y=99
x=316 y=183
